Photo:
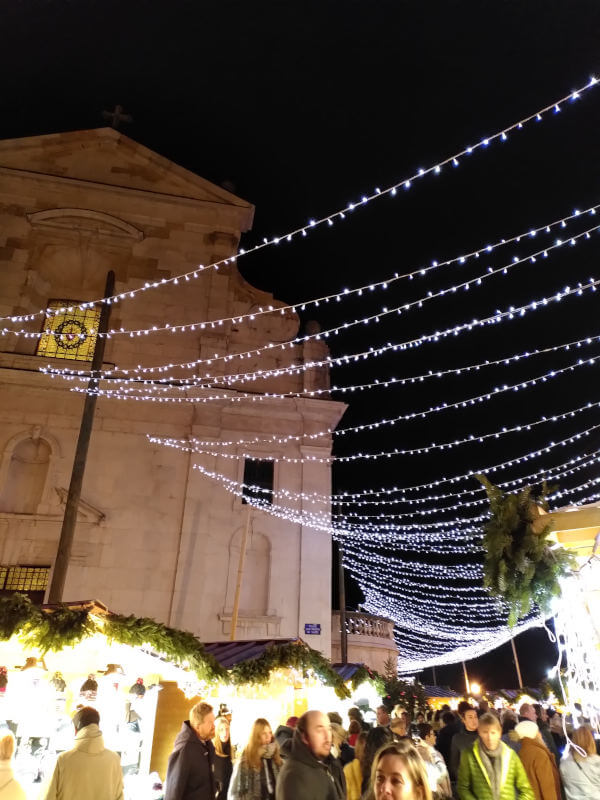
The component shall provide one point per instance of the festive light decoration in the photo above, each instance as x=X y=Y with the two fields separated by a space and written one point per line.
x=329 y=219
x=511 y=313
x=396 y=451
x=398 y=310
x=579 y=638
x=370 y=287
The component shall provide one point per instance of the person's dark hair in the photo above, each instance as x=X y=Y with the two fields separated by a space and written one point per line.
x=437 y=715
x=551 y=712
x=376 y=738
x=334 y=717
x=424 y=729
x=84 y=717
x=354 y=726
x=464 y=706
x=448 y=718
x=355 y=713
x=508 y=723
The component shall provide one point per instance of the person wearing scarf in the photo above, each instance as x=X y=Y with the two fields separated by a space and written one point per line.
x=490 y=770
x=255 y=774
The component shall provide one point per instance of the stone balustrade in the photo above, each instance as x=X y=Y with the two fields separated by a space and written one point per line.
x=358 y=624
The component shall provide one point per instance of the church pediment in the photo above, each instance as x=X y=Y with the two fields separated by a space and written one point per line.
x=105 y=156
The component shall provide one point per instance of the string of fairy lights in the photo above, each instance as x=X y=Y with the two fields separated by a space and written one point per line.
x=340 y=214
x=416 y=549
x=499 y=316
x=531 y=233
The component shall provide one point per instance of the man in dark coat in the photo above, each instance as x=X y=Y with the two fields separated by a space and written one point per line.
x=310 y=772
x=449 y=727
x=464 y=739
x=190 y=772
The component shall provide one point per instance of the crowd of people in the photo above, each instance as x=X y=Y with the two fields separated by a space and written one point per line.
x=475 y=754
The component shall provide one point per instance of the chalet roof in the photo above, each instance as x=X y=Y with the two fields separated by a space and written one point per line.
x=228 y=654
x=440 y=691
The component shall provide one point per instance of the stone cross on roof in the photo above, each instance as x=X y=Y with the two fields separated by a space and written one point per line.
x=116 y=117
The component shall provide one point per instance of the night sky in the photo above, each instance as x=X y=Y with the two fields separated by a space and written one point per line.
x=306 y=106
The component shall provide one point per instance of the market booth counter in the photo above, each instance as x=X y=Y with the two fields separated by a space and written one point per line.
x=143 y=678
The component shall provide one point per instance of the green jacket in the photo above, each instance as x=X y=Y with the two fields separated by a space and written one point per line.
x=474 y=783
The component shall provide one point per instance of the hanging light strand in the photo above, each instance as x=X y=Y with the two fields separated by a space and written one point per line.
x=329 y=219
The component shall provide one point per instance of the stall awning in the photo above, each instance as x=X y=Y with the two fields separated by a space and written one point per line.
x=440 y=691
x=228 y=654
x=347 y=671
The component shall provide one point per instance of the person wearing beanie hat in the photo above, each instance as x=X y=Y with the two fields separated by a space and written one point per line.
x=539 y=763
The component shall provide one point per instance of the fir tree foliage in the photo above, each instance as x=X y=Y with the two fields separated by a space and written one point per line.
x=520 y=566
x=410 y=696
x=52 y=629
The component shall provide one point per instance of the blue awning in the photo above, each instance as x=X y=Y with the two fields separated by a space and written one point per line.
x=228 y=654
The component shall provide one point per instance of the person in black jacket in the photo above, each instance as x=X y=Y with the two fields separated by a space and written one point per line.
x=464 y=739
x=310 y=772
x=190 y=772
x=449 y=727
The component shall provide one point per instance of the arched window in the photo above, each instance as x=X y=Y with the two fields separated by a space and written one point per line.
x=256 y=579
x=26 y=477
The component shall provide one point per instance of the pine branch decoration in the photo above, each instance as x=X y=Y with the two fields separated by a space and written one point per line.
x=520 y=567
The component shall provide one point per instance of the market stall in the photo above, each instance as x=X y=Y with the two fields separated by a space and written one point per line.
x=142 y=677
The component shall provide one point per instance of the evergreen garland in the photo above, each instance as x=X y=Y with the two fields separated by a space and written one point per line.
x=298 y=656
x=363 y=674
x=410 y=696
x=54 y=629
x=520 y=567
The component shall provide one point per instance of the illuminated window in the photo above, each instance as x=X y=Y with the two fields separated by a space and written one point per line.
x=72 y=332
x=31 y=581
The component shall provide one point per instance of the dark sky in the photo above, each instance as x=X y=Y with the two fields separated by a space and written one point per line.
x=305 y=106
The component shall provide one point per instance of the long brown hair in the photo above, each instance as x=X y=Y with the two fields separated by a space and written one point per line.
x=217 y=740
x=252 y=752
x=406 y=751
x=584 y=738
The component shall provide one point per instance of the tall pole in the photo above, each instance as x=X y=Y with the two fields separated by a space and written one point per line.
x=65 y=543
x=434 y=678
x=467 y=687
x=343 y=631
x=238 y=585
x=514 y=649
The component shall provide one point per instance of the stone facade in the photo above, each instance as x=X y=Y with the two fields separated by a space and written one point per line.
x=370 y=640
x=154 y=536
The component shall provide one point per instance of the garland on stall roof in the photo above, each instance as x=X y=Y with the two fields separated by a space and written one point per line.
x=296 y=655
x=364 y=674
x=54 y=629
x=520 y=566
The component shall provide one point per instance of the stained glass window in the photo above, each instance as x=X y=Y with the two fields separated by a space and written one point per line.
x=72 y=332
x=31 y=581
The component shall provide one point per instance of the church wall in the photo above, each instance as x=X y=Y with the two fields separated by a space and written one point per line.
x=154 y=536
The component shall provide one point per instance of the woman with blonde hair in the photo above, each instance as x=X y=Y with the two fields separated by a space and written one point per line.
x=223 y=764
x=353 y=770
x=10 y=788
x=398 y=773
x=255 y=774
x=581 y=773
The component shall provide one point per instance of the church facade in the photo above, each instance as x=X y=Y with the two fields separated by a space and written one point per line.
x=155 y=536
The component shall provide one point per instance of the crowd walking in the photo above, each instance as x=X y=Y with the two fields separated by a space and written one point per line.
x=475 y=754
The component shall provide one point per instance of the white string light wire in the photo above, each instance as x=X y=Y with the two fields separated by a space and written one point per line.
x=328 y=219
x=376 y=318
x=236 y=378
